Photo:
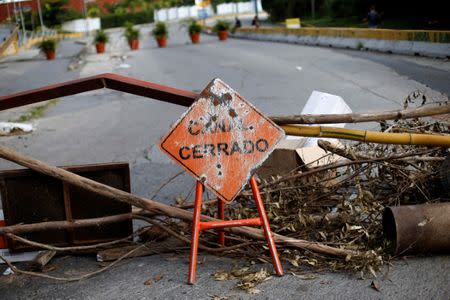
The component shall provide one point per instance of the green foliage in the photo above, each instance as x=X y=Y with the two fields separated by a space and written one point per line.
x=101 y=37
x=120 y=10
x=117 y=20
x=130 y=32
x=69 y=15
x=328 y=21
x=160 y=30
x=130 y=6
x=31 y=20
x=93 y=11
x=128 y=26
x=360 y=45
x=222 y=25
x=394 y=14
x=48 y=45
x=194 y=27
x=55 y=12
x=36 y=112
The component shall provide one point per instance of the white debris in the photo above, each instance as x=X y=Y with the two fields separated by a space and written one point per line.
x=322 y=103
x=7 y=128
x=8 y=272
x=123 y=66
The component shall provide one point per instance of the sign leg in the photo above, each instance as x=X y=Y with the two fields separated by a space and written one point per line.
x=195 y=233
x=266 y=227
x=221 y=215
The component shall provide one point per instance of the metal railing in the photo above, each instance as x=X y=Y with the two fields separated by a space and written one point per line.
x=186 y=98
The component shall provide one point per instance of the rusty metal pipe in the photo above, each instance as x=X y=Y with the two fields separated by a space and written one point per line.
x=186 y=98
x=107 y=80
x=418 y=228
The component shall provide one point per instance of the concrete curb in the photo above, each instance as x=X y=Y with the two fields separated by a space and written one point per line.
x=439 y=50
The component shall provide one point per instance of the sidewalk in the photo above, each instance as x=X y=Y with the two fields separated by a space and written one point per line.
x=22 y=55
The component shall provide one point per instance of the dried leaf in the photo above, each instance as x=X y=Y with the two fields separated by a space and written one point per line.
x=220 y=276
x=294 y=262
x=148 y=281
x=216 y=297
x=253 y=291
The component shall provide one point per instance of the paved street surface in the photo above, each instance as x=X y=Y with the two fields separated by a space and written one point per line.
x=105 y=126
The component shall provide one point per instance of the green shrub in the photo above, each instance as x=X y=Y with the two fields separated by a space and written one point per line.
x=160 y=30
x=69 y=15
x=359 y=45
x=93 y=12
x=101 y=37
x=128 y=25
x=130 y=32
x=117 y=20
x=222 y=25
x=48 y=45
x=194 y=27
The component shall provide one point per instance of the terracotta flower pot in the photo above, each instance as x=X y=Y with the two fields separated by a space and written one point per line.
x=223 y=35
x=51 y=55
x=162 y=42
x=195 y=37
x=100 y=47
x=134 y=44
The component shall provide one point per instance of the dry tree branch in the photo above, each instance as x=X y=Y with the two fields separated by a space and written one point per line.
x=166 y=183
x=438 y=108
x=85 y=276
x=155 y=206
x=74 y=248
x=345 y=164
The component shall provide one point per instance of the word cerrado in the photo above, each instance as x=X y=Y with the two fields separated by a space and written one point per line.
x=224 y=148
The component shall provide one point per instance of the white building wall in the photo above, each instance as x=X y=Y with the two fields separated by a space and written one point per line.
x=82 y=25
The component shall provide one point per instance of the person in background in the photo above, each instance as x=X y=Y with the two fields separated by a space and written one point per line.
x=255 y=22
x=373 y=17
x=237 y=24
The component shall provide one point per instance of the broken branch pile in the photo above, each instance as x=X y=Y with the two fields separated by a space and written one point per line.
x=324 y=217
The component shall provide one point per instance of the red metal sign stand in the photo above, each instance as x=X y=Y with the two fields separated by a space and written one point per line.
x=198 y=226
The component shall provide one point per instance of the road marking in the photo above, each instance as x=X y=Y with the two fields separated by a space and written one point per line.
x=298 y=68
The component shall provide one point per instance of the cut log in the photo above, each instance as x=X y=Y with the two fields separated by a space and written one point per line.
x=41 y=260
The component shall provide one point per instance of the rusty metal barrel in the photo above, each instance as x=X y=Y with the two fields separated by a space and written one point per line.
x=418 y=228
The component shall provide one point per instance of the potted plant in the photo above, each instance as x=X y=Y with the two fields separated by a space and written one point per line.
x=160 y=33
x=132 y=36
x=101 y=38
x=194 y=31
x=222 y=27
x=48 y=47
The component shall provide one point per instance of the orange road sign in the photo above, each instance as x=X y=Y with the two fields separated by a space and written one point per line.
x=221 y=139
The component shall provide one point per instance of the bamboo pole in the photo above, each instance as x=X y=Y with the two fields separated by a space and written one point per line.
x=439 y=108
x=156 y=207
x=368 y=136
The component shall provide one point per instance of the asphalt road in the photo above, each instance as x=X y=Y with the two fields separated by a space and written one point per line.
x=103 y=126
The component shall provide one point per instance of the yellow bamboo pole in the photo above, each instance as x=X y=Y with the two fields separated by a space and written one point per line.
x=367 y=136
